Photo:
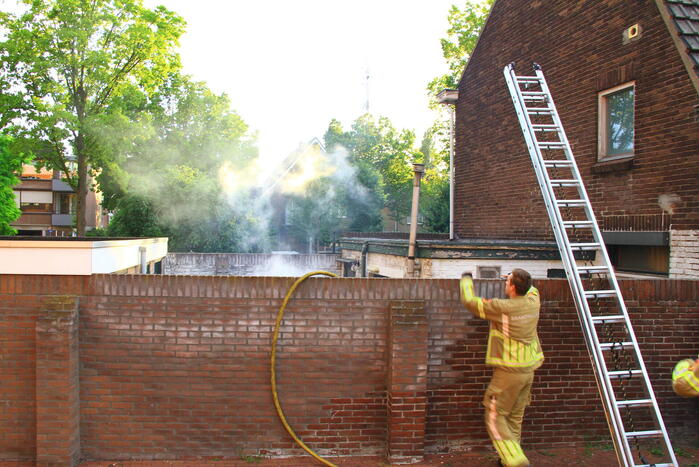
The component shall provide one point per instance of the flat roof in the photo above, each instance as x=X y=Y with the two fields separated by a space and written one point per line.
x=77 y=255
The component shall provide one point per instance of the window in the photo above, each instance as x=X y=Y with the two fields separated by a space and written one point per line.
x=640 y=258
x=616 y=122
x=64 y=203
x=36 y=207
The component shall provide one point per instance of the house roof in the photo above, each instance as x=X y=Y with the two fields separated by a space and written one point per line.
x=682 y=18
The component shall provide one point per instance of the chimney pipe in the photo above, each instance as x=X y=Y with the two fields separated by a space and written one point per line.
x=143 y=259
x=419 y=170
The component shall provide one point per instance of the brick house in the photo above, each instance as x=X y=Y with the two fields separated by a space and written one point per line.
x=609 y=64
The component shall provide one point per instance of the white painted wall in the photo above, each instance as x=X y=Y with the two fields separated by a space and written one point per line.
x=117 y=255
x=76 y=257
x=435 y=268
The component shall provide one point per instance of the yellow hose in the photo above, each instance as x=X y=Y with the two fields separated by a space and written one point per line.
x=280 y=412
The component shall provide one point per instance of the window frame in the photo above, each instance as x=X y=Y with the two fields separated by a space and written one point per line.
x=602 y=134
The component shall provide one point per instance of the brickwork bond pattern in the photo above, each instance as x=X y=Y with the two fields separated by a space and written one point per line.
x=178 y=366
x=580 y=46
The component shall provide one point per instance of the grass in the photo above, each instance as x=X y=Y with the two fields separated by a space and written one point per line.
x=248 y=458
x=657 y=451
x=592 y=446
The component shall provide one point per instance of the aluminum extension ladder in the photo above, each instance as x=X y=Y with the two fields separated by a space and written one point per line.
x=601 y=309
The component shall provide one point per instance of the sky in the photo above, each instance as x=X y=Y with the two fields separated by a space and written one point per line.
x=289 y=67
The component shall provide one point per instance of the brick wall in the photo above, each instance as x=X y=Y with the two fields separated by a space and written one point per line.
x=579 y=45
x=177 y=366
x=242 y=264
x=684 y=254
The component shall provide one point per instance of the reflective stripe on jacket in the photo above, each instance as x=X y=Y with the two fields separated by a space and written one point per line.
x=513 y=343
x=685 y=378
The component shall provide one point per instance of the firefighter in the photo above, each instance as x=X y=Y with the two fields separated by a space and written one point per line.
x=685 y=378
x=514 y=352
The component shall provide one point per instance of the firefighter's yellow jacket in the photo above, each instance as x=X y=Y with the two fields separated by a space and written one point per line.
x=513 y=343
x=685 y=378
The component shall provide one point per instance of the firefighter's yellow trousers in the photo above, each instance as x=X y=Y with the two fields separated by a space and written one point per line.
x=505 y=400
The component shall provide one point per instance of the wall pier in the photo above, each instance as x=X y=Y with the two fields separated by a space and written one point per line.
x=407 y=382
x=57 y=383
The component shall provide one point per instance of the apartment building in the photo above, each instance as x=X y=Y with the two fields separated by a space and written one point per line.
x=48 y=205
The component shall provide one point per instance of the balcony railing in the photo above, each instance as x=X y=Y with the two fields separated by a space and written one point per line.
x=636 y=223
x=62 y=220
x=34 y=218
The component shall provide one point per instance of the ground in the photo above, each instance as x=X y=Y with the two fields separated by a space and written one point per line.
x=577 y=455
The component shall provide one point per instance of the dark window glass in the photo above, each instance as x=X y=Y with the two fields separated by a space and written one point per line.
x=620 y=122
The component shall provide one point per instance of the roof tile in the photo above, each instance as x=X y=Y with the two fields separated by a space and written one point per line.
x=685 y=15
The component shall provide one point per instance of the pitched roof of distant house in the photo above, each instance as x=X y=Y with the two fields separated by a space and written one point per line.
x=682 y=19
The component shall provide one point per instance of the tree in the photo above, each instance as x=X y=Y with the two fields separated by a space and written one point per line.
x=65 y=61
x=434 y=201
x=135 y=217
x=315 y=214
x=172 y=147
x=10 y=168
x=464 y=29
x=383 y=157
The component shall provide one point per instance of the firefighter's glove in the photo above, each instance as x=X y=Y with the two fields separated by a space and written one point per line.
x=466 y=287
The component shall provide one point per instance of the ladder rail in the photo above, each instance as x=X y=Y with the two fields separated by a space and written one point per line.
x=580 y=296
x=597 y=234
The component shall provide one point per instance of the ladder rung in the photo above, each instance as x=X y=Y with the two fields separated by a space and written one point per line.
x=577 y=224
x=593 y=269
x=609 y=319
x=635 y=403
x=527 y=79
x=551 y=144
x=584 y=246
x=545 y=127
x=616 y=345
x=600 y=293
x=539 y=110
x=571 y=202
x=559 y=163
x=655 y=465
x=645 y=434
x=565 y=182
x=624 y=374
x=534 y=98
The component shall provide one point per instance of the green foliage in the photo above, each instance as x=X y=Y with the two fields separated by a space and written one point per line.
x=465 y=26
x=316 y=214
x=464 y=29
x=176 y=142
x=383 y=158
x=134 y=218
x=65 y=61
x=185 y=204
x=10 y=169
x=434 y=201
